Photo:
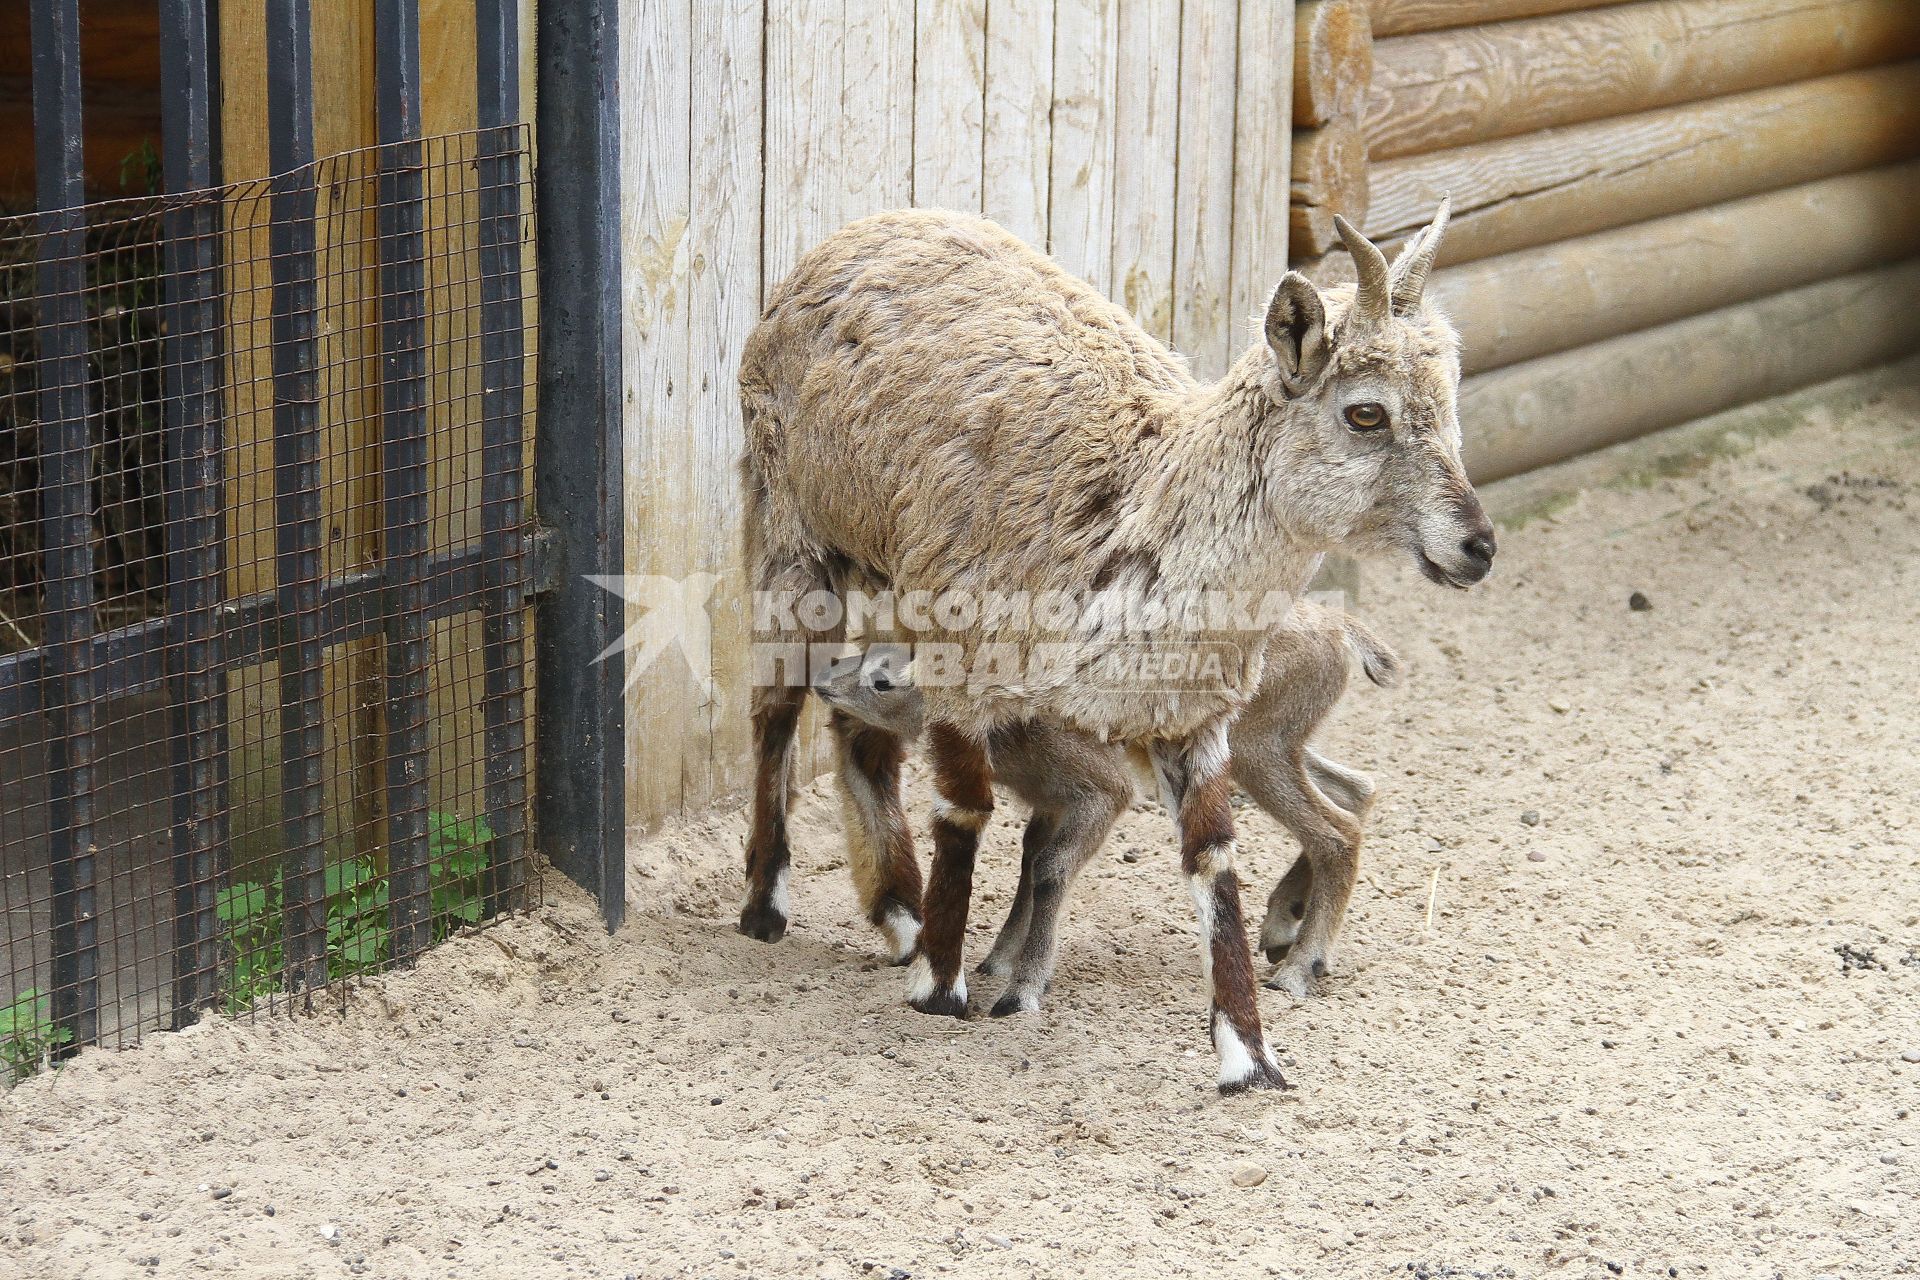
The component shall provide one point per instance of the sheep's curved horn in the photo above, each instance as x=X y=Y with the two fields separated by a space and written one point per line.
x=1372 y=304
x=1410 y=267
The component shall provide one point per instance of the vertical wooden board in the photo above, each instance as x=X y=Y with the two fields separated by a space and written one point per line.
x=723 y=305
x=1016 y=164
x=1262 y=165
x=839 y=145
x=1203 y=187
x=1080 y=218
x=345 y=237
x=655 y=106
x=949 y=102
x=802 y=183
x=1145 y=157
x=876 y=151
x=249 y=399
x=449 y=105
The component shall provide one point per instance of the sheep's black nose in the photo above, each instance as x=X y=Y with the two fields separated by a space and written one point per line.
x=1480 y=548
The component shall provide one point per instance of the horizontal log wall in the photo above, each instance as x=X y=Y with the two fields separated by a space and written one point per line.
x=1543 y=411
x=1643 y=193
x=1452 y=88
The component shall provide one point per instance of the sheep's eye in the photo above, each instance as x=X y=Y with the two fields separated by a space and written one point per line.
x=882 y=682
x=1366 y=417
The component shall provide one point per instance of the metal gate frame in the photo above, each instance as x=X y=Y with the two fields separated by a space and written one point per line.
x=578 y=746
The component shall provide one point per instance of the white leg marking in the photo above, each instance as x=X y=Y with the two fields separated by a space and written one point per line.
x=964 y=818
x=1236 y=1061
x=781 y=902
x=1201 y=886
x=919 y=980
x=1211 y=755
x=902 y=932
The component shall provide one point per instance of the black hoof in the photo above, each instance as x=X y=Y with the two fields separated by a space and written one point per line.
x=1276 y=954
x=1008 y=1005
x=761 y=921
x=1263 y=1077
x=941 y=1004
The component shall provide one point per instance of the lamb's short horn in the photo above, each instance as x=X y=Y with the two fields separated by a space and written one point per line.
x=1373 y=303
x=1412 y=265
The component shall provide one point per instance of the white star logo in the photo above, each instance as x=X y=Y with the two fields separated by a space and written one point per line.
x=676 y=617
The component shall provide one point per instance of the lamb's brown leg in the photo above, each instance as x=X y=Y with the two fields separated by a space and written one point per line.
x=1193 y=775
x=936 y=982
x=1013 y=934
x=879 y=840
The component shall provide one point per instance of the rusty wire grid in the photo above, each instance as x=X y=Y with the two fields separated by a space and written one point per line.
x=265 y=553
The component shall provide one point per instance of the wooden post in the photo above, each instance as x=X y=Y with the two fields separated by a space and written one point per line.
x=1332 y=61
x=1333 y=65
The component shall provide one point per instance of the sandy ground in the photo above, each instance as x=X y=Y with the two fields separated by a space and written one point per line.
x=1673 y=1028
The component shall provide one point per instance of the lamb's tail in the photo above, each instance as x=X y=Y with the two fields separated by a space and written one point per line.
x=1377 y=658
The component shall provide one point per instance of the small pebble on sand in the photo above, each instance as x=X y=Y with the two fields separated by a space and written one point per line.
x=1531 y=817
x=1248 y=1174
x=1534 y=855
x=1911 y=1055
x=1638 y=602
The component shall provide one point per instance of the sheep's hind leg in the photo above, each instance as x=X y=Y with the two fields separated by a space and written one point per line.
x=779 y=689
x=1193 y=775
x=935 y=981
x=776 y=712
x=879 y=839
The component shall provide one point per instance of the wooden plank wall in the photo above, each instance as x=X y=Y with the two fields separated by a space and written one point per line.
x=1647 y=195
x=1143 y=142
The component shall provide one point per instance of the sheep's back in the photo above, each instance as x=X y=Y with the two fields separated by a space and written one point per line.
x=948 y=407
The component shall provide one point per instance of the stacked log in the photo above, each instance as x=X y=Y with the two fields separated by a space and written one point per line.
x=1332 y=72
x=1655 y=202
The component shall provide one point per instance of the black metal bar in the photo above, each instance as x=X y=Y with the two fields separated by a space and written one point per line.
x=502 y=448
x=403 y=454
x=132 y=659
x=296 y=490
x=66 y=478
x=581 y=809
x=197 y=677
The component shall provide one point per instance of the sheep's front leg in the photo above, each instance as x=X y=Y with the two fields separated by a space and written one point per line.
x=935 y=982
x=1193 y=775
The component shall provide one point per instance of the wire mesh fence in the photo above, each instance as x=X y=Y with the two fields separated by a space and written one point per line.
x=265 y=555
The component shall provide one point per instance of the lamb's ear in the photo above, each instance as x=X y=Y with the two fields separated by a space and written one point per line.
x=1297 y=332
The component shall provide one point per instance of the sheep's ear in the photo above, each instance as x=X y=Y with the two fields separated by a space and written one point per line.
x=1297 y=332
